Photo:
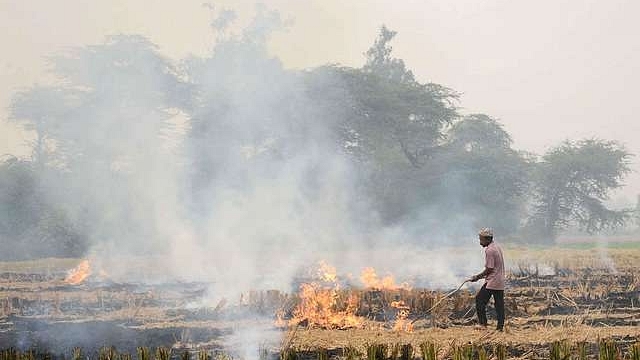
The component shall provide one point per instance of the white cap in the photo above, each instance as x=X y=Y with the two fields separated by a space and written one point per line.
x=486 y=232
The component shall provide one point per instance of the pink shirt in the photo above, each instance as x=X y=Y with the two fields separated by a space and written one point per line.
x=493 y=260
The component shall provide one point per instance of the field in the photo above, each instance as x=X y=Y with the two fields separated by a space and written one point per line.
x=569 y=301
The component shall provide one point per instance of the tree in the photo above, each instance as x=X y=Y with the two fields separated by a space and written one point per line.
x=482 y=176
x=477 y=133
x=105 y=131
x=42 y=110
x=247 y=109
x=571 y=184
x=398 y=118
x=31 y=224
x=126 y=92
x=380 y=62
x=396 y=112
x=391 y=124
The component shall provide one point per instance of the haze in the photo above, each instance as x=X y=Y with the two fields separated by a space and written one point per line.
x=548 y=70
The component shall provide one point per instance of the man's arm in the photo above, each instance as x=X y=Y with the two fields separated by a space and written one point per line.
x=482 y=275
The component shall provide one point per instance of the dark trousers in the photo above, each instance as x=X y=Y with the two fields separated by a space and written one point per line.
x=482 y=299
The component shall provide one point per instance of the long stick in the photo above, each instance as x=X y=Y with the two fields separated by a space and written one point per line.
x=439 y=301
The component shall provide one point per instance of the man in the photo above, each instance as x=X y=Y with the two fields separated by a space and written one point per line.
x=494 y=283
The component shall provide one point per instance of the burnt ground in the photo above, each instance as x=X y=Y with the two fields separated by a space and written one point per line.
x=580 y=302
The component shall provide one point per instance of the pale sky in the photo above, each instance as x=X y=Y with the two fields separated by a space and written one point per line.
x=549 y=70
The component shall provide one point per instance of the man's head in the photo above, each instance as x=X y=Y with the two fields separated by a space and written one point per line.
x=486 y=236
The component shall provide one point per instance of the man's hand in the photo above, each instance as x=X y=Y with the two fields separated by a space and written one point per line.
x=482 y=275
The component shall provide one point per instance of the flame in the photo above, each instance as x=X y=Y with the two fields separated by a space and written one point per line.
x=318 y=307
x=327 y=272
x=323 y=304
x=319 y=303
x=78 y=274
x=370 y=280
x=402 y=323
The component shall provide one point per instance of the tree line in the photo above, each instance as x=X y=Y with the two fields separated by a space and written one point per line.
x=127 y=134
